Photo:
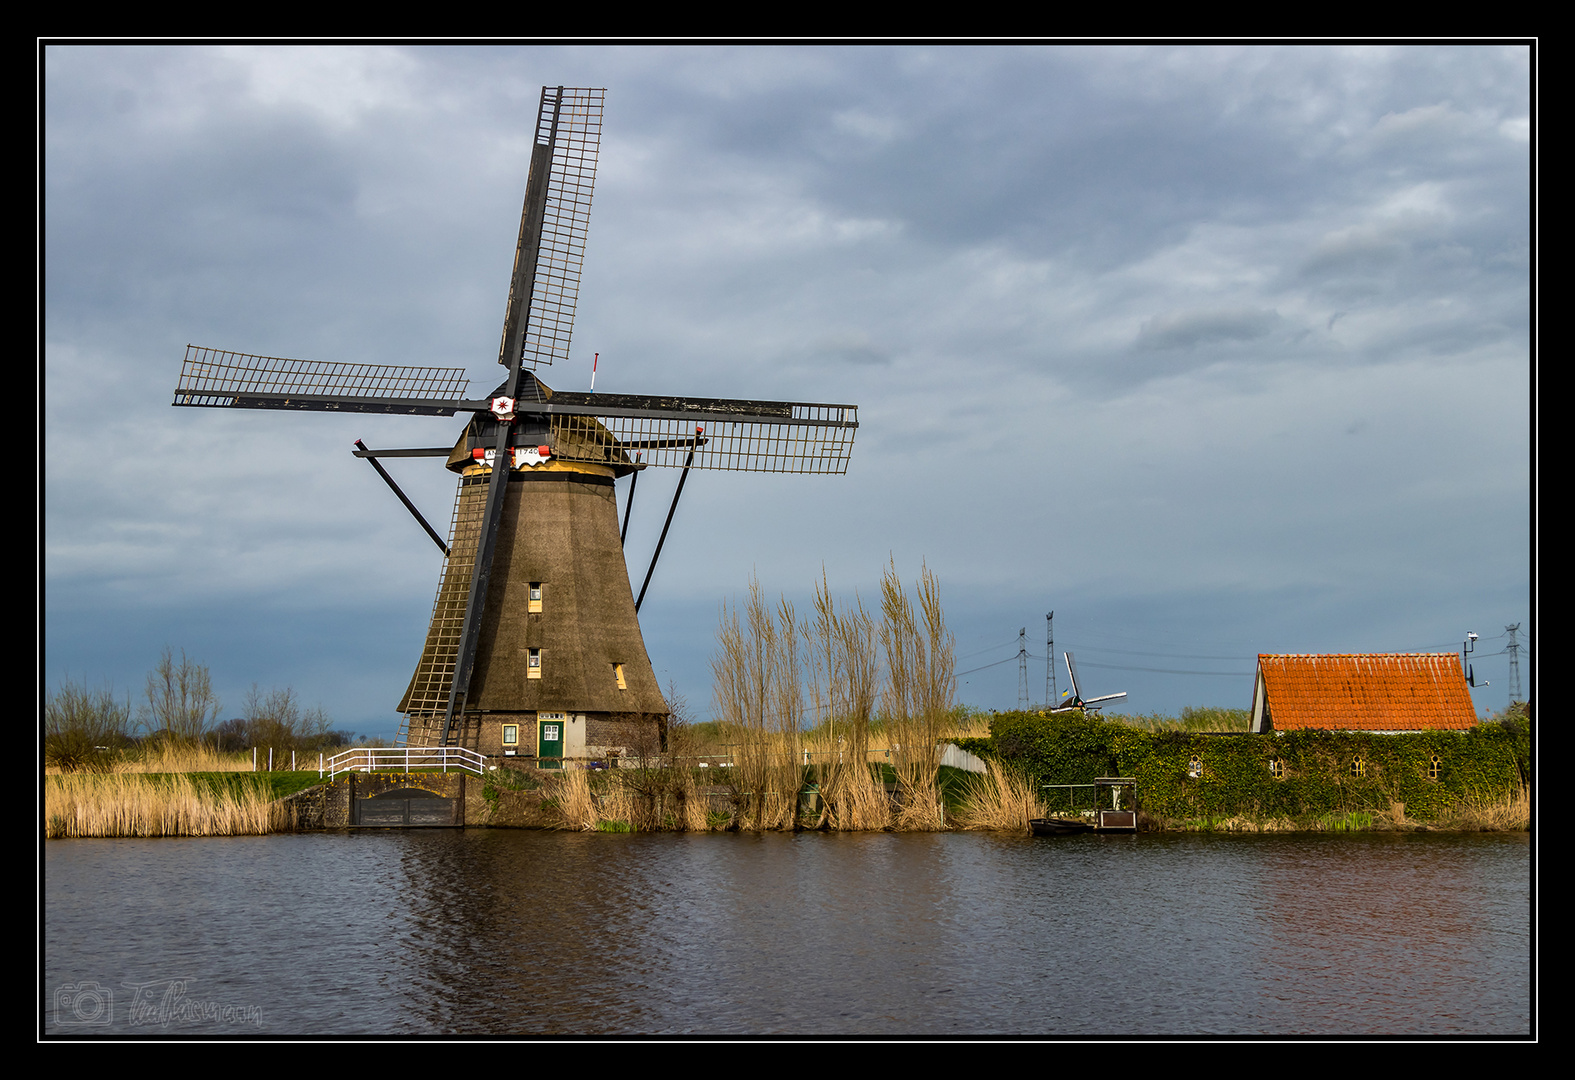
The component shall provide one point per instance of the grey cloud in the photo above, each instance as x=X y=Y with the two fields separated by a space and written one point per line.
x=1354 y=251
x=1189 y=329
x=851 y=349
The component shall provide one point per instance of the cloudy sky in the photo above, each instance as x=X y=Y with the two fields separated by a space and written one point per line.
x=1212 y=351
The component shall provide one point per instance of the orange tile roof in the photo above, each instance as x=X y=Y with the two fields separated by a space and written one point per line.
x=1364 y=692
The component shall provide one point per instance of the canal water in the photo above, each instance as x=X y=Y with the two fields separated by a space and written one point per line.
x=515 y=933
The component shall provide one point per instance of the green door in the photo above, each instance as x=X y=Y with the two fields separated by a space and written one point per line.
x=549 y=743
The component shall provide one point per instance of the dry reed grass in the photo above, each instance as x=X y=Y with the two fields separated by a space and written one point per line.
x=568 y=798
x=127 y=804
x=852 y=799
x=167 y=757
x=768 y=660
x=628 y=801
x=916 y=698
x=759 y=695
x=999 y=800
x=1480 y=813
x=843 y=682
x=966 y=726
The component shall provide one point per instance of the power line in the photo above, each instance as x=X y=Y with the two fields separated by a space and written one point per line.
x=1170 y=671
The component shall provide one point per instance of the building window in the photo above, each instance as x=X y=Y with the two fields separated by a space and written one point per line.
x=618 y=674
x=511 y=734
x=534 y=603
x=532 y=663
x=1194 y=767
x=1434 y=767
x=1358 y=768
x=1277 y=768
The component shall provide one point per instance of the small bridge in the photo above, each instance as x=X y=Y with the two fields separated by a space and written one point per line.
x=405 y=759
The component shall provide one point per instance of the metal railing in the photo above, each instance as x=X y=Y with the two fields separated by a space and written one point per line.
x=404 y=759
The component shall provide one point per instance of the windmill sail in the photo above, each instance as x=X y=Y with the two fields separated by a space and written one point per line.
x=1078 y=701
x=568 y=137
x=740 y=436
x=220 y=379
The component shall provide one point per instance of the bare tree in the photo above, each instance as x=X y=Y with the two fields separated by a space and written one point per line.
x=181 y=704
x=277 y=719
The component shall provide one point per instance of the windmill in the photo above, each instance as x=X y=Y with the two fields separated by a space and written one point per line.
x=1078 y=701
x=534 y=645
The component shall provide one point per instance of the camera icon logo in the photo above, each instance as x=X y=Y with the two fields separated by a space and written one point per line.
x=83 y=1003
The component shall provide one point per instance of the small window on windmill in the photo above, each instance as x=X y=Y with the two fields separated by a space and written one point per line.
x=1434 y=767
x=511 y=734
x=533 y=664
x=1194 y=767
x=1358 y=768
x=535 y=597
x=618 y=674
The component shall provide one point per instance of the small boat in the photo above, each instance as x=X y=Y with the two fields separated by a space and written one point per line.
x=1059 y=826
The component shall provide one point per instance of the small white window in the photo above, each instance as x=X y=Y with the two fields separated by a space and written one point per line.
x=534 y=603
x=511 y=734
x=533 y=664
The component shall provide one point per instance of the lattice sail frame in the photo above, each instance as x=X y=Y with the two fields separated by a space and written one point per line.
x=220 y=377
x=814 y=439
x=561 y=254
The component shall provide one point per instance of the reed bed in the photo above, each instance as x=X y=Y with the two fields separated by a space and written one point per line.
x=999 y=800
x=854 y=800
x=636 y=800
x=180 y=758
x=185 y=758
x=1481 y=813
x=567 y=796
x=128 y=804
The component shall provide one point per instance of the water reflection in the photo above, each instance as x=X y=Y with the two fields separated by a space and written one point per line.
x=512 y=932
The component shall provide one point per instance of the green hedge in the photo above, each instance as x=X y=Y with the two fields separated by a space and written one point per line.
x=1316 y=773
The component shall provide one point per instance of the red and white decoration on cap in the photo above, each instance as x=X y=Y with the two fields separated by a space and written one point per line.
x=523 y=455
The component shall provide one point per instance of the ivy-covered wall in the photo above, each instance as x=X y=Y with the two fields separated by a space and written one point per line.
x=1293 y=774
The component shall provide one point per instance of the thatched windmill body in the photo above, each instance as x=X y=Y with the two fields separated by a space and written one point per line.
x=534 y=646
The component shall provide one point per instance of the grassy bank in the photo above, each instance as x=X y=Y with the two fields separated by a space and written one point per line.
x=689 y=800
x=1189 y=779
x=1508 y=813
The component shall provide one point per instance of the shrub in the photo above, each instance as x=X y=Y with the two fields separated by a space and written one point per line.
x=84 y=729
